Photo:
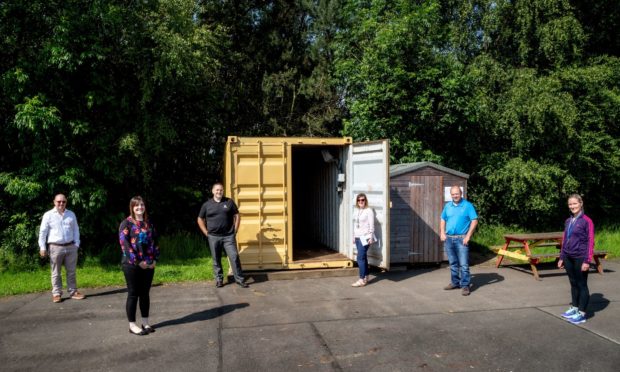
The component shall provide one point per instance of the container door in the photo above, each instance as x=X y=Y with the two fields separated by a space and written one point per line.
x=370 y=174
x=258 y=179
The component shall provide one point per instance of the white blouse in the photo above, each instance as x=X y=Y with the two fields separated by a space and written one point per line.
x=363 y=222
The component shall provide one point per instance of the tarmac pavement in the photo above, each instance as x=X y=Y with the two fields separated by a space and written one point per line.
x=401 y=321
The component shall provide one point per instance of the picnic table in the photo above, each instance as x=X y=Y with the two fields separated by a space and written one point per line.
x=523 y=247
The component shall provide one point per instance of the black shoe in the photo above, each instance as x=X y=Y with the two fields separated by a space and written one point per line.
x=243 y=284
x=148 y=329
x=219 y=284
x=141 y=333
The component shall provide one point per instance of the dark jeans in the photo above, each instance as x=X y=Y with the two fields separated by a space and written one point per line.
x=138 y=287
x=228 y=243
x=580 y=294
x=362 y=257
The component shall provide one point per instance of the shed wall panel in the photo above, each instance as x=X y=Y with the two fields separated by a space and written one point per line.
x=416 y=214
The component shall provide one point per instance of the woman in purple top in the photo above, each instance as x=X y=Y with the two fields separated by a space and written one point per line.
x=140 y=253
x=575 y=256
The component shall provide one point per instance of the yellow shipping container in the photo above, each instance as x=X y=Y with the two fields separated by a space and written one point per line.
x=296 y=198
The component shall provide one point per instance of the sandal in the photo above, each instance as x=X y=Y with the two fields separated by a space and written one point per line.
x=359 y=283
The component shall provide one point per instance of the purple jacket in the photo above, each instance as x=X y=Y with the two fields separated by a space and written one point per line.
x=578 y=240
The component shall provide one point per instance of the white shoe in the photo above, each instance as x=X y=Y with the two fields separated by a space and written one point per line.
x=366 y=279
x=360 y=283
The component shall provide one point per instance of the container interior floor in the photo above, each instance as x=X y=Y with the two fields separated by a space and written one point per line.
x=314 y=253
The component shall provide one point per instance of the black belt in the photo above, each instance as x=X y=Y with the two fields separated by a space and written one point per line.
x=62 y=244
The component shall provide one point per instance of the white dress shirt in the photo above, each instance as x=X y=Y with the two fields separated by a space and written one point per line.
x=58 y=229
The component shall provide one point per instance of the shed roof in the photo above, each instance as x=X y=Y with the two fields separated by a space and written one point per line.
x=398 y=169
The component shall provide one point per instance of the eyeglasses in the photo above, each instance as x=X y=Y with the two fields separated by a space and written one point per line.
x=361 y=200
x=60 y=201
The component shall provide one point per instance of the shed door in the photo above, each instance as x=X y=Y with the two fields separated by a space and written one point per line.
x=370 y=174
x=426 y=205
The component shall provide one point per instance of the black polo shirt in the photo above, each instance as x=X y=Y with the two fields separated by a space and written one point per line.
x=219 y=216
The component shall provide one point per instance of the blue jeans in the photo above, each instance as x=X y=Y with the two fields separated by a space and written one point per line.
x=362 y=257
x=458 y=257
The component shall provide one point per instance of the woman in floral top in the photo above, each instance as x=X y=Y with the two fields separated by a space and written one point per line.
x=140 y=253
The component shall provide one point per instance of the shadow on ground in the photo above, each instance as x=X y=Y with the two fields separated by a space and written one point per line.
x=480 y=280
x=202 y=315
x=598 y=302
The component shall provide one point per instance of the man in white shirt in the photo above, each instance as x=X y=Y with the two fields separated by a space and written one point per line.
x=59 y=236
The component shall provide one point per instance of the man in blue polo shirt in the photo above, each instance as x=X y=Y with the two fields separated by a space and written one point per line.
x=458 y=222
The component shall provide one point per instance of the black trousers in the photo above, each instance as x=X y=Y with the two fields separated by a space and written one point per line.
x=580 y=294
x=138 y=287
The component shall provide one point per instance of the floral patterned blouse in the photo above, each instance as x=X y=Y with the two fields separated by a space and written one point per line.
x=138 y=241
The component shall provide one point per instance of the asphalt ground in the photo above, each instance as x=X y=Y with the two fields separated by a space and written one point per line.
x=401 y=321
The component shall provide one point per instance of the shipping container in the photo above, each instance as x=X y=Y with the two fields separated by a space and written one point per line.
x=296 y=198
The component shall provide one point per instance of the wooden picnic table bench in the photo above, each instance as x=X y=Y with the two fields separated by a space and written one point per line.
x=520 y=247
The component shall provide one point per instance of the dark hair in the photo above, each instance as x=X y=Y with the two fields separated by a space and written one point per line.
x=361 y=195
x=135 y=201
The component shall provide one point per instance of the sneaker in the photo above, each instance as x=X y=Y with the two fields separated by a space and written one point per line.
x=465 y=291
x=56 y=299
x=570 y=312
x=360 y=283
x=577 y=319
x=366 y=279
x=450 y=286
x=219 y=284
x=77 y=296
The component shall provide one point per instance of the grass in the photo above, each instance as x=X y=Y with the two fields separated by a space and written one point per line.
x=183 y=257
x=607 y=238
x=186 y=257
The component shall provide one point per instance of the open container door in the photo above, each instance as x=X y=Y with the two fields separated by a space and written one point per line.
x=370 y=174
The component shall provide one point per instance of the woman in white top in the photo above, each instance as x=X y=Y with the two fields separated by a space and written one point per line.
x=363 y=235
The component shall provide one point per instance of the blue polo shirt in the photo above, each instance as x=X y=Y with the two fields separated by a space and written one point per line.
x=458 y=217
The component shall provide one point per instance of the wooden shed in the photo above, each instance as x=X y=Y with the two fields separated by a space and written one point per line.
x=418 y=192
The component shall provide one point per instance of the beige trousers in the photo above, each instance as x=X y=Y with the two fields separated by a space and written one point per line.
x=68 y=256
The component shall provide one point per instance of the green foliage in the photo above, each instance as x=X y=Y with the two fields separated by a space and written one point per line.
x=179 y=247
x=19 y=249
x=104 y=100
x=524 y=186
x=395 y=79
